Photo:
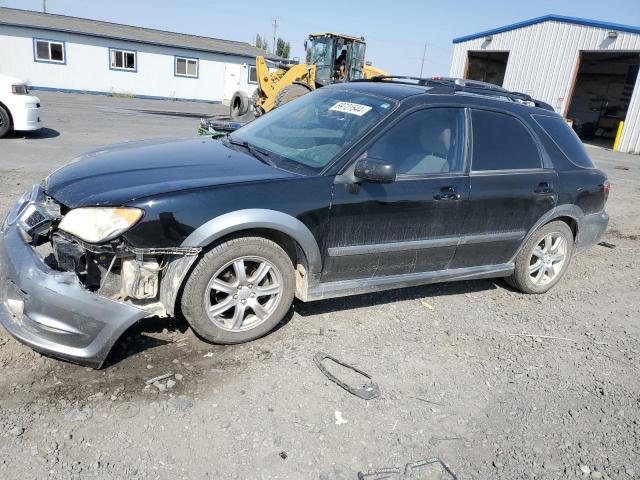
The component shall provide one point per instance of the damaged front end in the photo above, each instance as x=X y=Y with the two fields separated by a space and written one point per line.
x=119 y=272
x=71 y=298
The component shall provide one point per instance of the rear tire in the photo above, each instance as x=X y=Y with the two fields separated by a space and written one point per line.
x=289 y=93
x=5 y=122
x=239 y=290
x=544 y=259
x=239 y=104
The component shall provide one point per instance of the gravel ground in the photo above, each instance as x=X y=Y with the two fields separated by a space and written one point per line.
x=456 y=383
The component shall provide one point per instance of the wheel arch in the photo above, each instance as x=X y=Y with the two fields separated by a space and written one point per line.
x=278 y=226
x=572 y=222
x=572 y=215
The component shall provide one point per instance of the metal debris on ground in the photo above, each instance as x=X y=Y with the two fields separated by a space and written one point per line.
x=430 y=401
x=368 y=391
x=607 y=245
x=153 y=380
x=621 y=167
x=408 y=470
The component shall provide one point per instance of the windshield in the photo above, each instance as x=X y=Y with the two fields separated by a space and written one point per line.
x=310 y=132
x=322 y=57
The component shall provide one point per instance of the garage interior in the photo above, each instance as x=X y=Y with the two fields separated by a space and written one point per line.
x=487 y=66
x=602 y=93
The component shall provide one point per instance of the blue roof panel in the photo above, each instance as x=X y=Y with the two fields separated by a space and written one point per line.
x=548 y=18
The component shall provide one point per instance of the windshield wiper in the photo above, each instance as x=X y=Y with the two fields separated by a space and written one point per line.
x=257 y=152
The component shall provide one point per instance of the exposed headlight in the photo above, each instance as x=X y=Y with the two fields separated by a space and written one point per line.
x=99 y=224
x=20 y=89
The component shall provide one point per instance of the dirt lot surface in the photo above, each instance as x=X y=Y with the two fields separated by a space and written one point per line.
x=456 y=383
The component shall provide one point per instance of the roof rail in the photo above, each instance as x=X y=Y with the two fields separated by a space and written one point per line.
x=402 y=79
x=462 y=85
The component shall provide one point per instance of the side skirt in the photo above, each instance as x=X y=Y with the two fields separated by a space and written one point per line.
x=358 y=286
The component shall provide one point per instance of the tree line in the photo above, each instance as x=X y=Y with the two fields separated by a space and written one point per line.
x=283 y=49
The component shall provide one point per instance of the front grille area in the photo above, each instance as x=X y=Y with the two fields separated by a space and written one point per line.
x=35 y=219
x=35 y=212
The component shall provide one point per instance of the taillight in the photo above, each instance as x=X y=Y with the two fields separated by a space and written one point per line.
x=607 y=189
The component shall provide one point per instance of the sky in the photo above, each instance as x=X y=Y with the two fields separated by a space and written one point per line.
x=396 y=31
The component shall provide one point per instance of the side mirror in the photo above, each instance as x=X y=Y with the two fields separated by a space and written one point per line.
x=373 y=170
x=306 y=45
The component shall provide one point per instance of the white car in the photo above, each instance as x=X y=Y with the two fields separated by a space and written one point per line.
x=18 y=109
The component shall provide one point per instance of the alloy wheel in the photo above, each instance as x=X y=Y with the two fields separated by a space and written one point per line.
x=548 y=258
x=243 y=294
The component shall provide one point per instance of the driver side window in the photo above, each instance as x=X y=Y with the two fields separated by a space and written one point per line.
x=427 y=142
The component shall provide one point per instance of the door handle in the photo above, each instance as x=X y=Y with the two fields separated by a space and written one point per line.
x=544 y=187
x=447 y=193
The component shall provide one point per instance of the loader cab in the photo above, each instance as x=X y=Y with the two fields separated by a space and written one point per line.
x=338 y=58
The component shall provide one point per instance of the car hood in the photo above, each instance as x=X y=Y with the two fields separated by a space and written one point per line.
x=118 y=174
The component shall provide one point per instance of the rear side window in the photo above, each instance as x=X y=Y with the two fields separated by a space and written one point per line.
x=566 y=139
x=501 y=142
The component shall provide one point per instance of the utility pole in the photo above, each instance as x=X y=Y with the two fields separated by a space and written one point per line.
x=44 y=6
x=275 y=31
x=424 y=54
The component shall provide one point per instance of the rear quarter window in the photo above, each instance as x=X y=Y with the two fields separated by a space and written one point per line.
x=566 y=140
x=502 y=142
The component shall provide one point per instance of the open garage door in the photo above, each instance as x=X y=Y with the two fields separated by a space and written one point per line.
x=487 y=66
x=602 y=93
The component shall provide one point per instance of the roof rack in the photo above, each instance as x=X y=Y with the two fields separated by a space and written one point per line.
x=465 y=86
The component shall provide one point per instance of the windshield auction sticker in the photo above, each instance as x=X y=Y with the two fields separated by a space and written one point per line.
x=352 y=108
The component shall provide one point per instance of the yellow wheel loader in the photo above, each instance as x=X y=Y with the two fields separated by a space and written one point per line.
x=333 y=58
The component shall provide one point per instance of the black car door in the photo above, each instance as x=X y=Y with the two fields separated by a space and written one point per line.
x=510 y=190
x=412 y=224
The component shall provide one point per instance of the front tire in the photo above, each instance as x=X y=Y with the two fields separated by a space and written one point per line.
x=239 y=290
x=5 y=122
x=544 y=259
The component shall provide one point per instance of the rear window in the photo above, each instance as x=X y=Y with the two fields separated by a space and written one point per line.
x=566 y=139
x=501 y=142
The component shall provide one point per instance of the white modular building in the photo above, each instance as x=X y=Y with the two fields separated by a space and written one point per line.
x=56 y=52
x=587 y=70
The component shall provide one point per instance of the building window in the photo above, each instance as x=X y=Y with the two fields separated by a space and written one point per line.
x=186 y=67
x=123 y=60
x=253 y=75
x=49 y=51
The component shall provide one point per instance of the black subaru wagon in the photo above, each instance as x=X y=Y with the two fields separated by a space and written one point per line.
x=352 y=188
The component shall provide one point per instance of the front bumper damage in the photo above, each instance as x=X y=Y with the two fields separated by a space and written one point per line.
x=55 y=312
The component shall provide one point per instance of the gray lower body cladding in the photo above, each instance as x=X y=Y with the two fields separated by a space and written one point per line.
x=592 y=230
x=51 y=311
